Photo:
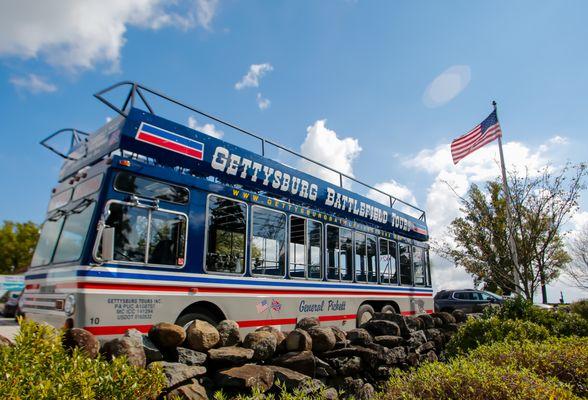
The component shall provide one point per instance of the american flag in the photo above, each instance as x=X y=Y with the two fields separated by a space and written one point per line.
x=262 y=306
x=481 y=135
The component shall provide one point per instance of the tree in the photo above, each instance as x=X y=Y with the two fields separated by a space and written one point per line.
x=541 y=204
x=578 y=268
x=17 y=244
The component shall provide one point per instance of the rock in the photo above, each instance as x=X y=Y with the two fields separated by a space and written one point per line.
x=436 y=336
x=323 y=369
x=201 y=336
x=381 y=327
x=229 y=333
x=276 y=332
x=438 y=322
x=246 y=377
x=166 y=335
x=346 y=366
x=287 y=377
x=307 y=323
x=389 y=341
x=298 y=340
x=431 y=356
x=190 y=391
x=343 y=344
x=445 y=317
x=359 y=336
x=331 y=394
x=190 y=357
x=416 y=339
x=230 y=356
x=72 y=338
x=399 y=353
x=125 y=346
x=311 y=388
x=425 y=347
x=451 y=327
x=152 y=353
x=366 y=392
x=323 y=339
x=176 y=373
x=353 y=387
x=303 y=362
x=262 y=343
x=398 y=319
x=414 y=323
x=427 y=321
x=340 y=335
x=412 y=359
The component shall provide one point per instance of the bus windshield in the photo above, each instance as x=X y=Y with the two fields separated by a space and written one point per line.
x=63 y=235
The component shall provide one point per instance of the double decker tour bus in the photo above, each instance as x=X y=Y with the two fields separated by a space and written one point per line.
x=152 y=221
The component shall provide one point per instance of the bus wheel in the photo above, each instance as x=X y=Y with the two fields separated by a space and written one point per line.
x=187 y=319
x=364 y=314
x=389 y=308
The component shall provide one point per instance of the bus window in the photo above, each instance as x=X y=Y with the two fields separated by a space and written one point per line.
x=388 y=262
x=268 y=245
x=371 y=252
x=297 y=247
x=360 y=267
x=147 y=236
x=225 y=238
x=405 y=264
x=306 y=247
x=428 y=262
x=167 y=238
x=419 y=265
x=145 y=187
x=346 y=248
x=333 y=253
x=47 y=240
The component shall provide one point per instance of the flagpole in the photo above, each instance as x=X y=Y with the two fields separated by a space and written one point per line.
x=511 y=239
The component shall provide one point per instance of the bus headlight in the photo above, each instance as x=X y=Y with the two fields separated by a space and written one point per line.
x=70 y=305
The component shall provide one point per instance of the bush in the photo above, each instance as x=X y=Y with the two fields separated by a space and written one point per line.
x=564 y=359
x=468 y=379
x=477 y=332
x=38 y=367
x=581 y=308
x=558 y=323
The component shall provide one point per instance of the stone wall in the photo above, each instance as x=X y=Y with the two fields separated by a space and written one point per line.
x=202 y=359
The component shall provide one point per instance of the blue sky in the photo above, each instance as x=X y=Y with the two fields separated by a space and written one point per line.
x=395 y=82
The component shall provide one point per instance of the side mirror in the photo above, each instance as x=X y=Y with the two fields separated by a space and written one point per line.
x=107 y=242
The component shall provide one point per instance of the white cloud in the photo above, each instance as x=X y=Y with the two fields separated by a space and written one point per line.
x=32 y=83
x=79 y=34
x=323 y=145
x=262 y=103
x=447 y=85
x=252 y=77
x=452 y=181
x=209 y=129
x=398 y=191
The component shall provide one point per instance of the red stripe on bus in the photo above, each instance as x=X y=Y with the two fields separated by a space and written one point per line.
x=192 y=289
x=263 y=322
x=116 y=330
x=325 y=318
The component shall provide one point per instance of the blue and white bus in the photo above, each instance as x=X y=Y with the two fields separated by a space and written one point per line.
x=152 y=221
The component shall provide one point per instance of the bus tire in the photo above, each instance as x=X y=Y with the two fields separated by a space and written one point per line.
x=186 y=319
x=389 y=308
x=364 y=314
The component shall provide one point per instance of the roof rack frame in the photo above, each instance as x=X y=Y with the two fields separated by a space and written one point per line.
x=77 y=136
x=136 y=91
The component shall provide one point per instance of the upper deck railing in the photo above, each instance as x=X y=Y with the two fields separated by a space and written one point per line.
x=137 y=93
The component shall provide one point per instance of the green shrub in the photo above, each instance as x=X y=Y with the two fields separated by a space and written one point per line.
x=477 y=332
x=565 y=359
x=581 y=308
x=467 y=379
x=37 y=367
x=558 y=323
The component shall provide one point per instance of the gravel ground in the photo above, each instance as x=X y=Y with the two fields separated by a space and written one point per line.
x=8 y=327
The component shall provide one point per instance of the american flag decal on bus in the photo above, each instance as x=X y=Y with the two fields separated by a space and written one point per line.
x=170 y=141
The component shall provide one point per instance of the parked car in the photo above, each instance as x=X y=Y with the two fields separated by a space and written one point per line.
x=11 y=306
x=467 y=300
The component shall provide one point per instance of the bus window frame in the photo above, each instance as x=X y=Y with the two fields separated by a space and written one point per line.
x=323 y=248
x=396 y=262
x=118 y=172
x=250 y=240
x=71 y=192
x=147 y=245
x=366 y=247
x=246 y=268
x=102 y=174
x=411 y=264
x=326 y=257
x=424 y=261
